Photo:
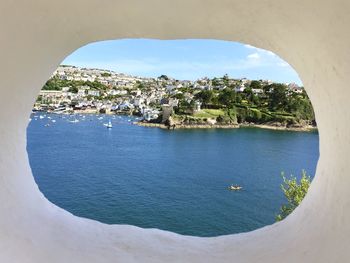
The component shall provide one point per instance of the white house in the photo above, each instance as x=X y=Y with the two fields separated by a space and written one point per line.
x=257 y=91
x=240 y=88
x=93 y=92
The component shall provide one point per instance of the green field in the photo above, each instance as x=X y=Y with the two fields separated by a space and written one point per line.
x=209 y=113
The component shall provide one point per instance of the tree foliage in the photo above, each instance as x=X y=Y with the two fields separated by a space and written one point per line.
x=204 y=96
x=278 y=97
x=215 y=82
x=294 y=192
x=227 y=97
x=300 y=106
x=255 y=84
x=56 y=83
x=106 y=74
x=165 y=77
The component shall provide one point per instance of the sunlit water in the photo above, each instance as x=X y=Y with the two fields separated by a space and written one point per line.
x=172 y=180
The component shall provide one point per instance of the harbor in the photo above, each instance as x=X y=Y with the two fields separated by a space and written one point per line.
x=177 y=181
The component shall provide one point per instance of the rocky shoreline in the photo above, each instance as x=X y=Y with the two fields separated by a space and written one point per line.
x=178 y=125
x=187 y=126
x=307 y=128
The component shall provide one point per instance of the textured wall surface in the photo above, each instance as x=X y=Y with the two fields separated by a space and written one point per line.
x=312 y=35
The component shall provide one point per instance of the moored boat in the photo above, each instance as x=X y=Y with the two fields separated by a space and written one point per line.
x=108 y=125
x=235 y=187
x=74 y=121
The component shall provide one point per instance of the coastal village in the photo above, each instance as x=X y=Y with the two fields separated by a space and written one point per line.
x=167 y=102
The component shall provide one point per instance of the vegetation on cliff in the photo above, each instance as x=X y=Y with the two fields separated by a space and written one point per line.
x=274 y=104
x=294 y=192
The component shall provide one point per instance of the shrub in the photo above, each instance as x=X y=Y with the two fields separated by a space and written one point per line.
x=294 y=192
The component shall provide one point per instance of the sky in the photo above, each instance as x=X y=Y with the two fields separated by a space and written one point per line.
x=183 y=59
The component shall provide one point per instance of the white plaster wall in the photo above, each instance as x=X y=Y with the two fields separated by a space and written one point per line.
x=312 y=35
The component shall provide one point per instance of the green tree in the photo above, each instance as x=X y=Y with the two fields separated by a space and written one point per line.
x=95 y=85
x=250 y=96
x=73 y=89
x=179 y=96
x=205 y=96
x=139 y=85
x=255 y=84
x=54 y=83
x=185 y=106
x=227 y=97
x=106 y=74
x=300 y=106
x=215 y=82
x=225 y=79
x=295 y=192
x=165 y=77
x=278 y=96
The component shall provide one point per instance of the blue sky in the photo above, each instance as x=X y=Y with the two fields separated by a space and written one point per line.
x=183 y=59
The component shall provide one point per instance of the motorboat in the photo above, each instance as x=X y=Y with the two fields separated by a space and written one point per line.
x=235 y=187
x=74 y=121
x=108 y=125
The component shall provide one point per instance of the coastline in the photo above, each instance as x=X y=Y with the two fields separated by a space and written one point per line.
x=187 y=126
x=84 y=112
x=308 y=128
x=305 y=128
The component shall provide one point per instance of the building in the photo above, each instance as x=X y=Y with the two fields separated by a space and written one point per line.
x=167 y=110
x=94 y=93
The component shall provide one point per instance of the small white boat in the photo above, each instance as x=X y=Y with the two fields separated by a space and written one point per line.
x=108 y=125
x=41 y=117
x=74 y=121
x=53 y=121
x=235 y=187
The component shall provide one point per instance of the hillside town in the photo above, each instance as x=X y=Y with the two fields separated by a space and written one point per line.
x=85 y=90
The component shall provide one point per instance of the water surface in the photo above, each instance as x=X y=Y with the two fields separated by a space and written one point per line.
x=171 y=180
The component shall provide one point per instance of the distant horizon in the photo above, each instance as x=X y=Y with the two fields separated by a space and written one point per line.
x=183 y=60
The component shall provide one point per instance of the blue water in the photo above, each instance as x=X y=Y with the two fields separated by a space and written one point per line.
x=171 y=180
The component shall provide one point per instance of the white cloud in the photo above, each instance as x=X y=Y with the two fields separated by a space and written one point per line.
x=260 y=50
x=283 y=64
x=263 y=58
x=254 y=56
x=249 y=46
x=270 y=53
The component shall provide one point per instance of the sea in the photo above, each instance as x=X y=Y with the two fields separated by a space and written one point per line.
x=174 y=180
